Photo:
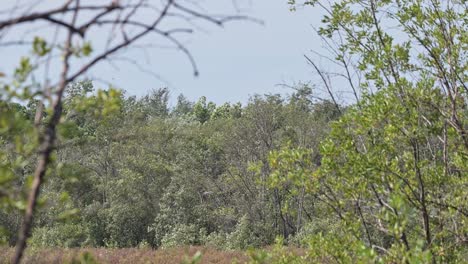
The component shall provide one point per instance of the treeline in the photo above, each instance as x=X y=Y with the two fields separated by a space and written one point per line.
x=196 y=173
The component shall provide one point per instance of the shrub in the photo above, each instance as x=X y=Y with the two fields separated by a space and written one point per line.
x=182 y=235
x=60 y=235
x=245 y=235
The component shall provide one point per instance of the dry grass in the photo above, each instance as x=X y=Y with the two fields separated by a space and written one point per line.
x=129 y=255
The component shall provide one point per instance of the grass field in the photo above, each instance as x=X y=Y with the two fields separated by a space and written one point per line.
x=129 y=255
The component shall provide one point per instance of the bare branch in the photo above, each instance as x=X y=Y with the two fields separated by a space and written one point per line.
x=124 y=44
x=325 y=82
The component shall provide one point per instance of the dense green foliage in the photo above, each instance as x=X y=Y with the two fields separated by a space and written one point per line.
x=150 y=174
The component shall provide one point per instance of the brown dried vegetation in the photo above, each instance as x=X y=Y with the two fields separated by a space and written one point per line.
x=128 y=255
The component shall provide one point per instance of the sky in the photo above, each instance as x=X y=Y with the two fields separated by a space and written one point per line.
x=241 y=59
x=237 y=61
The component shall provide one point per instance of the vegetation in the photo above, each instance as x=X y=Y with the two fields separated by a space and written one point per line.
x=184 y=255
x=289 y=178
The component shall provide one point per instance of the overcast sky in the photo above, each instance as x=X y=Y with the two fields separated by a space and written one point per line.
x=236 y=61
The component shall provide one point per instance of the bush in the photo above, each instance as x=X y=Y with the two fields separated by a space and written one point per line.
x=216 y=240
x=182 y=235
x=278 y=255
x=60 y=235
x=246 y=235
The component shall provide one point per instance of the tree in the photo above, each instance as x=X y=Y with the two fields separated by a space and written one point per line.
x=203 y=111
x=75 y=22
x=183 y=106
x=157 y=103
x=394 y=167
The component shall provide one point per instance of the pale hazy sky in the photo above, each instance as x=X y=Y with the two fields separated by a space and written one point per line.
x=236 y=61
